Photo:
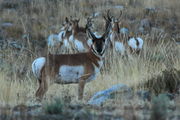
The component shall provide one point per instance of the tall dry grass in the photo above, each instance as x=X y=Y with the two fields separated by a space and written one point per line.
x=38 y=19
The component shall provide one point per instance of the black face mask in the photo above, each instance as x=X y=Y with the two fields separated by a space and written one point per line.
x=99 y=47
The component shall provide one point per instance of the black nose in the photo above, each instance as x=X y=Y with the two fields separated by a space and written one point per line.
x=99 y=50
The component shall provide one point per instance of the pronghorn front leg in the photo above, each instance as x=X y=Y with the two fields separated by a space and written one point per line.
x=81 y=89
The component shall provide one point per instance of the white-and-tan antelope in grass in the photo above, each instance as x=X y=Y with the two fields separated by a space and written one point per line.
x=135 y=43
x=116 y=38
x=79 y=35
x=71 y=68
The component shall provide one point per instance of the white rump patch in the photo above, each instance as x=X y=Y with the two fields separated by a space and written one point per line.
x=132 y=43
x=140 y=42
x=70 y=74
x=119 y=47
x=37 y=65
x=79 y=45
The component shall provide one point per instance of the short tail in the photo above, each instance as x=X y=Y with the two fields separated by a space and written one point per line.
x=137 y=42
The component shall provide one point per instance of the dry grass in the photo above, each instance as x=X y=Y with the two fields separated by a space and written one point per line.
x=38 y=19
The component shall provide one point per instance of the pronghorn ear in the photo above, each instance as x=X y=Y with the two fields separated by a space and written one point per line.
x=90 y=34
x=78 y=20
x=66 y=19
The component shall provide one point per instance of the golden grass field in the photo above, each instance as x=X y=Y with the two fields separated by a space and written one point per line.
x=37 y=19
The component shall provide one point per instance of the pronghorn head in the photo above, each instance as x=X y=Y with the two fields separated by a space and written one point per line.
x=131 y=35
x=115 y=23
x=89 y=22
x=98 y=44
x=75 y=23
x=66 y=25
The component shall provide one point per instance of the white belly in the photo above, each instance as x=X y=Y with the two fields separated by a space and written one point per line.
x=119 y=47
x=71 y=38
x=79 y=45
x=66 y=43
x=72 y=74
x=132 y=43
x=69 y=74
x=140 y=42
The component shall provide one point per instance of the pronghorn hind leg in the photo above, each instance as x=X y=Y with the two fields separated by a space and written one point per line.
x=43 y=87
x=81 y=89
x=38 y=90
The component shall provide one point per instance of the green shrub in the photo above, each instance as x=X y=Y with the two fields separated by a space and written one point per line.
x=56 y=107
x=159 y=107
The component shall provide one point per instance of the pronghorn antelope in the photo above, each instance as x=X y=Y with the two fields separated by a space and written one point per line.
x=116 y=37
x=54 y=41
x=135 y=44
x=66 y=33
x=79 y=36
x=71 y=68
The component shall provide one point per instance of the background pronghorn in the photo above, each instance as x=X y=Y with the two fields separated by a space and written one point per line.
x=71 y=68
x=66 y=33
x=79 y=36
x=55 y=41
x=116 y=38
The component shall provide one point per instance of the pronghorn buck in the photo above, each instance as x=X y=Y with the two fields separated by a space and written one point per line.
x=135 y=43
x=79 y=36
x=71 y=68
x=116 y=38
